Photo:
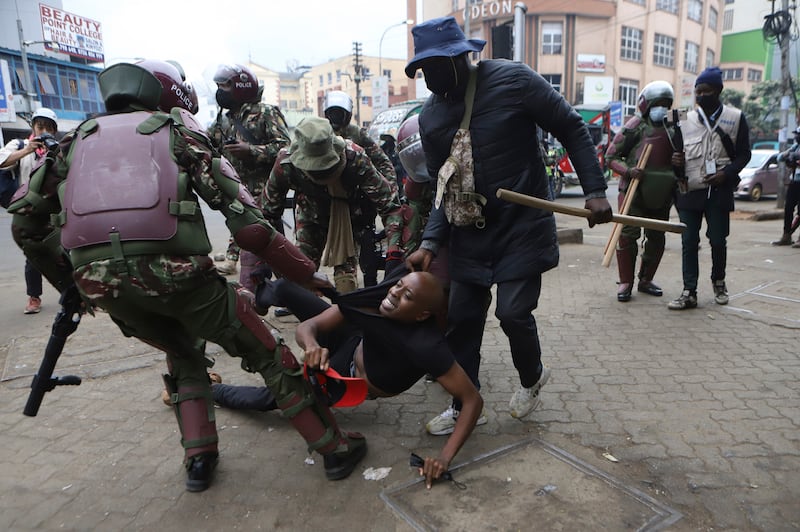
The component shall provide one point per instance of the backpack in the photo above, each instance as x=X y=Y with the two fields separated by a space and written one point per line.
x=9 y=181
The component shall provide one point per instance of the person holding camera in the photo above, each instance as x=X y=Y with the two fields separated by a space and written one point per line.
x=23 y=156
x=791 y=157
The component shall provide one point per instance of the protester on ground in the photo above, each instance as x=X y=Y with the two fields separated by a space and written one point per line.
x=717 y=147
x=493 y=242
x=134 y=243
x=388 y=335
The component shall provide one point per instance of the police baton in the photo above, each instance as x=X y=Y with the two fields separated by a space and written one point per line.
x=552 y=206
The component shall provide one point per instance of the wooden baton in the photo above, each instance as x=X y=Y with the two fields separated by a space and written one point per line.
x=552 y=206
x=616 y=232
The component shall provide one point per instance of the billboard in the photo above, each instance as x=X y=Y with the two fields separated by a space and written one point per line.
x=75 y=35
x=598 y=90
x=7 y=111
x=591 y=63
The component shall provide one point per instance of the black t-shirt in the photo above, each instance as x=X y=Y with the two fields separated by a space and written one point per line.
x=396 y=355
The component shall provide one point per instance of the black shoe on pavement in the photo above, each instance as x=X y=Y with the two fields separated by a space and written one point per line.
x=650 y=288
x=198 y=471
x=282 y=312
x=624 y=292
x=720 y=293
x=339 y=465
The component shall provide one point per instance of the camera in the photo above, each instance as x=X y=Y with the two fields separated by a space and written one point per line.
x=48 y=140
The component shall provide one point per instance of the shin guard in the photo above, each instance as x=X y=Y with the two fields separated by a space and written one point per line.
x=194 y=409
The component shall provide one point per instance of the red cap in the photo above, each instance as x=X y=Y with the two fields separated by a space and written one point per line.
x=336 y=390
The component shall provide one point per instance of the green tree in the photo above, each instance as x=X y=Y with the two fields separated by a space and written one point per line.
x=761 y=107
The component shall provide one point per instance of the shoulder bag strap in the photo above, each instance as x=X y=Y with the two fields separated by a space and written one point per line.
x=469 y=98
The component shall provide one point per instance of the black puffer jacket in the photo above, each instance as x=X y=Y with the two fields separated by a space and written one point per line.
x=510 y=100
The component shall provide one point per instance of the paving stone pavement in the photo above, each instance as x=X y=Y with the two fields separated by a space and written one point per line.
x=701 y=408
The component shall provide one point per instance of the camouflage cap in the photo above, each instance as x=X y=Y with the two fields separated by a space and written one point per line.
x=314 y=146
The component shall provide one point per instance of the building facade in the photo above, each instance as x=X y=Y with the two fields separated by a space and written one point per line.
x=591 y=50
x=62 y=81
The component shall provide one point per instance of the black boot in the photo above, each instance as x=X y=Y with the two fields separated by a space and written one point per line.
x=198 y=471
x=626 y=257
x=650 y=262
x=340 y=464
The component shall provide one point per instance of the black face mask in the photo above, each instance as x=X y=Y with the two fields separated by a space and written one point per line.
x=225 y=100
x=441 y=75
x=338 y=118
x=709 y=102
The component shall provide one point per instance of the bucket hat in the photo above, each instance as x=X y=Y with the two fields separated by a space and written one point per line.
x=314 y=146
x=439 y=37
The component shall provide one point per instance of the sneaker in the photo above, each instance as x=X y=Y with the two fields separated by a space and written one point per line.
x=34 y=305
x=720 y=293
x=228 y=267
x=339 y=465
x=199 y=469
x=445 y=423
x=526 y=400
x=687 y=299
x=282 y=312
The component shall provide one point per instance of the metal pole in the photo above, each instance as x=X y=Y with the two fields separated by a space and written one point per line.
x=783 y=40
x=519 y=31
x=26 y=73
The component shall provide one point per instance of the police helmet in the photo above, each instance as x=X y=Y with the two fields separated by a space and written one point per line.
x=651 y=93
x=244 y=86
x=409 y=149
x=156 y=85
x=338 y=109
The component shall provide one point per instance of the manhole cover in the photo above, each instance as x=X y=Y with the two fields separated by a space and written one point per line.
x=526 y=485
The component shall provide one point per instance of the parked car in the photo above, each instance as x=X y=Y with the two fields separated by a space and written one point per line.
x=760 y=176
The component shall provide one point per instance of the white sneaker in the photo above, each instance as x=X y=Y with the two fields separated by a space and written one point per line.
x=445 y=422
x=526 y=400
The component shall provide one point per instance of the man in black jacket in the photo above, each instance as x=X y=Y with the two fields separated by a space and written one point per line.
x=515 y=244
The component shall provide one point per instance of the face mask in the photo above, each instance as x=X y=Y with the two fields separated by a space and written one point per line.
x=225 y=100
x=441 y=77
x=709 y=102
x=337 y=118
x=658 y=114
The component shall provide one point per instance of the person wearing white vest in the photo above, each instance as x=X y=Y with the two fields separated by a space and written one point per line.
x=716 y=148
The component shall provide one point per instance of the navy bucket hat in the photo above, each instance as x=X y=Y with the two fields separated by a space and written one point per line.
x=439 y=37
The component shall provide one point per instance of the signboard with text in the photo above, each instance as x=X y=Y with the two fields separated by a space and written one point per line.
x=7 y=111
x=75 y=35
x=380 y=94
x=598 y=90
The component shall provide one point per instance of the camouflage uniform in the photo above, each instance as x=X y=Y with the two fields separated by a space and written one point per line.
x=369 y=258
x=312 y=202
x=268 y=133
x=167 y=292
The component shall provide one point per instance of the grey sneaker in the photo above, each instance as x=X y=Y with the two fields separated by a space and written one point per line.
x=720 y=293
x=687 y=299
x=445 y=422
x=526 y=400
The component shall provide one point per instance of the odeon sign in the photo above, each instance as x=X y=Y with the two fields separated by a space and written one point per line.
x=489 y=9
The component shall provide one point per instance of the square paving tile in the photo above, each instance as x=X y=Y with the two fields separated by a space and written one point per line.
x=525 y=486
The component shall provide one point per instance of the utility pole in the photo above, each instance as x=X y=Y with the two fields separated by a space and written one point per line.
x=786 y=87
x=357 y=66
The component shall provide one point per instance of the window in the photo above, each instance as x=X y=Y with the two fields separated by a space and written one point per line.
x=551 y=38
x=640 y=2
x=695 y=10
x=330 y=78
x=710 y=56
x=712 y=18
x=727 y=20
x=670 y=6
x=628 y=93
x=321 y=80
x=732 y=74
x=753 y=74
x=691 y=57
x=338 y=76
x=554 y=80
x=631 y=48
x=664 y=50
